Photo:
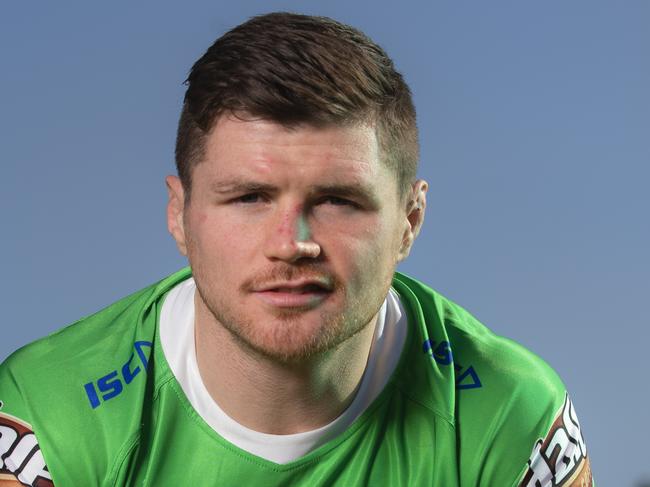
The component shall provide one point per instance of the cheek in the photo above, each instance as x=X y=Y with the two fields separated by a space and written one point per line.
x=217 y=241
x=366 y=252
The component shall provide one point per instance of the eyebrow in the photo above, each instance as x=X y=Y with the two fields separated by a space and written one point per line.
x=357 y=191
x=240 y=186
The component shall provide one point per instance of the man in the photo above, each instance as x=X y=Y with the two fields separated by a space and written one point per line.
x=291 y=353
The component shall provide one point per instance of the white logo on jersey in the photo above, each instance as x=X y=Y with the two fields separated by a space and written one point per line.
x=21 y=459
x=561 y=457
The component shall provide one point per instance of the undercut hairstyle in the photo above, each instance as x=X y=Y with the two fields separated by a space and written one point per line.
x=296 y=69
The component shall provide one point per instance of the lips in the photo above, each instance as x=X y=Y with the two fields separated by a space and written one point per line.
x=300 y=286
x=296 y=294
x=308 y=288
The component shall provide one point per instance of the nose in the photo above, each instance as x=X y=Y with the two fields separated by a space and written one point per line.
x=290 y=238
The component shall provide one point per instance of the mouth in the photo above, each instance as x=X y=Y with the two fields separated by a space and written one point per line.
x=306 y=294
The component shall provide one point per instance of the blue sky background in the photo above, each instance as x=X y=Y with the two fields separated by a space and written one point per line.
x=535 y=134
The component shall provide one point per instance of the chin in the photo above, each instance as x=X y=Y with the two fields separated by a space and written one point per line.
x=292 y=338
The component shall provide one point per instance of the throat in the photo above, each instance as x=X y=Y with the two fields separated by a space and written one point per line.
x=268 y=396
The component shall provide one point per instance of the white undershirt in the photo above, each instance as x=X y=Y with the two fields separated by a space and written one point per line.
x=177 y=339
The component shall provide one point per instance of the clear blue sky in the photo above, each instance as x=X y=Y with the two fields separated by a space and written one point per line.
x=535 y=130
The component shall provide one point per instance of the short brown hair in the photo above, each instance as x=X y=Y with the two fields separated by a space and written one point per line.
x=297 y=69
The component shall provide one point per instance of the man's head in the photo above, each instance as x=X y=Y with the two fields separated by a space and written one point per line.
x=298 y=144
x=295 y=70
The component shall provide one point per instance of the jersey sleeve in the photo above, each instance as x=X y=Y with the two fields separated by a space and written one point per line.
x=519 y=428
x=22 y=462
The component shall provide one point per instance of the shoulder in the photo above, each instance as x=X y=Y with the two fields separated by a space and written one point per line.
x=453 y=337
x=81 y=340
x=503 y=399
x=56 y=387
x=87 y=343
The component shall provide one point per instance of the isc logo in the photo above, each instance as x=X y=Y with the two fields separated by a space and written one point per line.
x=466 y=378
x=110 y=385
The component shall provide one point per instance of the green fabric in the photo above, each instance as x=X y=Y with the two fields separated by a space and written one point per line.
x=464 y=407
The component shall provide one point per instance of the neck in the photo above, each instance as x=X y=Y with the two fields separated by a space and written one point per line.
x=276 y=397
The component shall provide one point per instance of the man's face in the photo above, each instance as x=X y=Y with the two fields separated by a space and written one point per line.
x=293 y=235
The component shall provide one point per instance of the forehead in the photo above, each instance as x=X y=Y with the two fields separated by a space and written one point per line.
x=267 y=148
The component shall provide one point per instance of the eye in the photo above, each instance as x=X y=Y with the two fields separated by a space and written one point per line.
x=337 y=201
x=248 y=198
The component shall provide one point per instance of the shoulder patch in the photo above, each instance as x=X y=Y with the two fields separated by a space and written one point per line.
x=21 y=459
x=560 y=459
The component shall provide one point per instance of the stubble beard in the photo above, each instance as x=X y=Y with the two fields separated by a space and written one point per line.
x=289 y=337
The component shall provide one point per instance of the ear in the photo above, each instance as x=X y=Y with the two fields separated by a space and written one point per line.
x=175 y=208
x=415 y=206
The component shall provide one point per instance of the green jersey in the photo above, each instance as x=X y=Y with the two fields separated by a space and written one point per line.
x=96 y=404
